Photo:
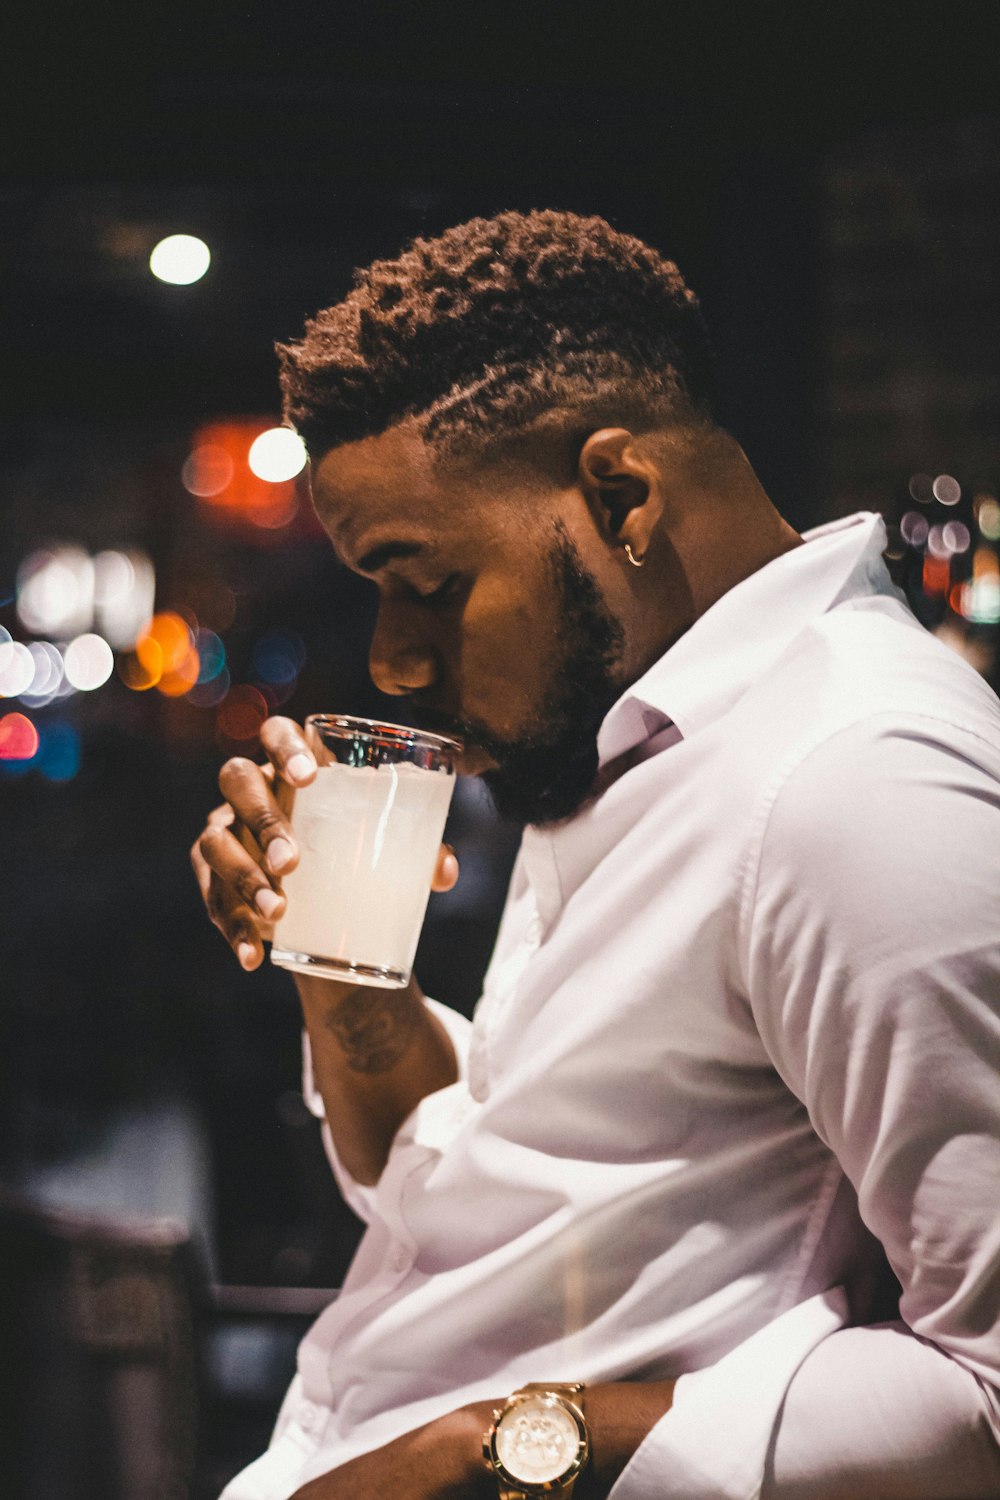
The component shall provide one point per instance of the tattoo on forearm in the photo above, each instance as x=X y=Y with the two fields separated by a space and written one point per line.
x=374 y=1027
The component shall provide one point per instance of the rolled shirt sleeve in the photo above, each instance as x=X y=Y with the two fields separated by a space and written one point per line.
x=360 y=1196
x=872 y=958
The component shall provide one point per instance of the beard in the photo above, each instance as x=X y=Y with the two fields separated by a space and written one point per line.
x=546 y=774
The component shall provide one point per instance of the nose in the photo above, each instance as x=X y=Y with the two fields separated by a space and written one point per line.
x=401 y=659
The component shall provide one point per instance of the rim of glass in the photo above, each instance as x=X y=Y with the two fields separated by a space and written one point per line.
x=381 y=733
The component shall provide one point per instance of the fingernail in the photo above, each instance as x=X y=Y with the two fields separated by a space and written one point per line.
x=279 y=854
x=300 y=766
x=267 y=902
x=246 y=954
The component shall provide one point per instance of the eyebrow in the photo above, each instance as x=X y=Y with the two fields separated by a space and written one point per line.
x=387 y=552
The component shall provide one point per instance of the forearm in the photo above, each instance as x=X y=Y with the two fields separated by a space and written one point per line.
x=375 y=1054
x=619 y=1415
x=443 y=1460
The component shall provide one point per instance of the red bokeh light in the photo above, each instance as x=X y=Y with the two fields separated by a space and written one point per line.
x=243 y=712
x=18 y=738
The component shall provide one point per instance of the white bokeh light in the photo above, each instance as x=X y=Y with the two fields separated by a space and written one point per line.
x=278 y=454
x=914 y=528
x=982 y=602
x=48 y=677
x=947 y=489
x=989 y=518
x=956 y=536
x=17 y=670
x=180 y=259
x=936 y=544
x=124 y=590
x=89 y=662
x=55 y=592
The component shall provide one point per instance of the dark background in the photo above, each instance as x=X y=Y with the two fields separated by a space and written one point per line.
x=826 y=178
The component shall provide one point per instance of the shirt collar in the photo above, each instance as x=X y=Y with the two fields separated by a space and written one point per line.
x=735 y=641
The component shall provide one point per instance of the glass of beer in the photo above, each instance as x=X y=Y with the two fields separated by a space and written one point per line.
x=368 y=829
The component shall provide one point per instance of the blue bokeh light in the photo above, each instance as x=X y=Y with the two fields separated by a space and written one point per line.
x=59 y=750
x=278 y=657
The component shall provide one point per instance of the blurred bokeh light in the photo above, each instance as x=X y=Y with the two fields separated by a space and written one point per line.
x=277 y=455
x=18 y=737
x=245 y=472
x=89 y=662
x=55 y=592
x=180 y=259
x=124 y=590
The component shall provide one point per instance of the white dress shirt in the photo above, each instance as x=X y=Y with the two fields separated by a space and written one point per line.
x=743 y=1005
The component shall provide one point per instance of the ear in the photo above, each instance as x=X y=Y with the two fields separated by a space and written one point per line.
x=621 y=484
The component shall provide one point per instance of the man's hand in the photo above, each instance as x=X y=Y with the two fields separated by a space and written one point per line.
x=444 y=1459
x=248 y=844
x=240 y=888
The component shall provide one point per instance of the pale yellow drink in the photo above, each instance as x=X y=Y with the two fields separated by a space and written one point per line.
x=368 y=838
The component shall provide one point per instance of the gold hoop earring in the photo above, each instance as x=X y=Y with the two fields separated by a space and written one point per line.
x=636 y=562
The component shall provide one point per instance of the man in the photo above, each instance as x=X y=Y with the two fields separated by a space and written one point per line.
x=742 y=1016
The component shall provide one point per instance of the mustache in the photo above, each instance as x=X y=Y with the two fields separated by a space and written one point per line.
x=436 y=721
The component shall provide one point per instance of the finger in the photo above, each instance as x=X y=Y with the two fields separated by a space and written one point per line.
x=251 y=795
x=222 y=815
x=285 y=746
x=446 y=869
x=227 y=860
x=239 y=925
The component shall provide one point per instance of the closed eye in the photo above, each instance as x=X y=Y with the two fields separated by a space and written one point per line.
x=445 y=592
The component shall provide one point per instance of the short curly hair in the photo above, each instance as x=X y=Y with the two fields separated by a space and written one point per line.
x=496 y=323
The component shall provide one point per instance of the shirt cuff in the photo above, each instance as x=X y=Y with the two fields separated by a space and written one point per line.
x=360 y=1196
x=713 y=1442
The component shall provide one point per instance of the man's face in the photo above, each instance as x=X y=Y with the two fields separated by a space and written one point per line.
x=492 y=619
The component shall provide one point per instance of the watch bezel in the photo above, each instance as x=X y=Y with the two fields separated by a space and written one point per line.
x=537 y=1486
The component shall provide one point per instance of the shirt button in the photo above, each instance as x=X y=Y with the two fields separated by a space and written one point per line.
x=309 y=1416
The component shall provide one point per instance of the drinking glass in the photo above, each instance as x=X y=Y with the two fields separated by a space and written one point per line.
x=368 y=829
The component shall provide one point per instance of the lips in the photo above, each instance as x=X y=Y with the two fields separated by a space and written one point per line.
x=435 y=721
x=473 y=759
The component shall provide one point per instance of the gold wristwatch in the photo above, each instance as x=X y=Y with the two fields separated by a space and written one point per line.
x=538 y=1441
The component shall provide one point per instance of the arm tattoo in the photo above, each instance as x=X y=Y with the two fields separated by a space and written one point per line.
x=374 y=1028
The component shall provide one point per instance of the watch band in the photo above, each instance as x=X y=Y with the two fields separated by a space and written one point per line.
x=569 y=1389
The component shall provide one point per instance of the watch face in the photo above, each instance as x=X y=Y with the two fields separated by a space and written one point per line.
x=537 y=1441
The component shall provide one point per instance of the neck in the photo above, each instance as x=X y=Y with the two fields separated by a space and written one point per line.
x=722 y=528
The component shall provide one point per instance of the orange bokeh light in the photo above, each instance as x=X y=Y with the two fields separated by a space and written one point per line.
x=142 y=672
x=172 y=633
x=985 y=563
x=182 y=678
